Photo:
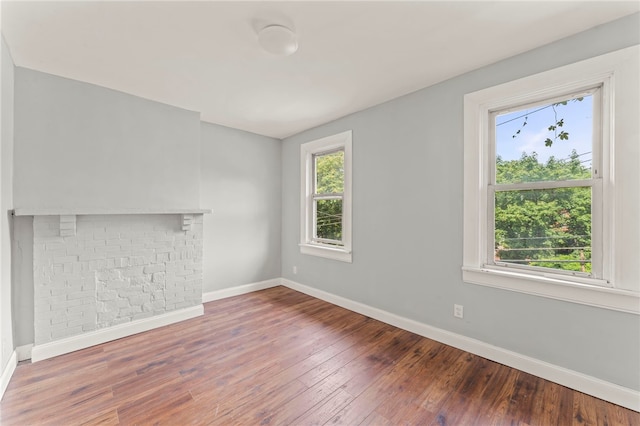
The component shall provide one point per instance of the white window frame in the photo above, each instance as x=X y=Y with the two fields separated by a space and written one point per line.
x=599 y=249
x=308 y=244
x=479 y=155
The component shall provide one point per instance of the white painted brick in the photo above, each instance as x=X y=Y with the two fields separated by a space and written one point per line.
x=172 y=301
x=50 y=254
x=93 y=256
x=71 y=226
x=122 y=262
x=55 y=245
x=96 y=265
x=103 y=235
x=142 y=315
x=182 y=305
x=80 y=295
x=154 y=268
x=79 y=323
x=165 y=250
x=132 y=271
x=52 y=300
x=64 y=259
x=104 y=296
x=95 y=243
x=72 y=316
x=66 y=304
x=125 y=312
x=117 y=284
x=56 y=292
x=144 y=252
x=87 y=308
x=77 y=282
x=75 y=251
x=105 y=317
x=58 y=319
x=108 y=275
x=120 y=321
x=59 y=334
x=122 y=303
x=59 y=326
x=158 y=277
x=139 y=299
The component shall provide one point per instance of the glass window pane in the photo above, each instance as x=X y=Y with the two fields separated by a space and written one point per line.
x=329 y=173
x=548 y=228
x=545 y=143
x=329 y=219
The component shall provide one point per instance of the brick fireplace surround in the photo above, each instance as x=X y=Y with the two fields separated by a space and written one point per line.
x=98 y=277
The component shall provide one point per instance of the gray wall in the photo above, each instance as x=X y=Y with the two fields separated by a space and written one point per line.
x=6 y=199
x=81 y=145
x=241 y=183
x=407 y=224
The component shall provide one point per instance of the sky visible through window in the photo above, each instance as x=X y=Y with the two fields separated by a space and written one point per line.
x=577 y=119
x=545 y=227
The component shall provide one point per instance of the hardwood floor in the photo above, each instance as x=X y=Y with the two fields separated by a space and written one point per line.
x=279 y=357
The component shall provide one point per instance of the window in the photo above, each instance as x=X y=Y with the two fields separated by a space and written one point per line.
x=544 y=186
x=326 y=197
x=541 y=212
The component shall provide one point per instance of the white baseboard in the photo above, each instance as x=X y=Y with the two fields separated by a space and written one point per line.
x=24 y=352
x=238 y=290
x=7 y=373
x=74 y=343
x=611 y=392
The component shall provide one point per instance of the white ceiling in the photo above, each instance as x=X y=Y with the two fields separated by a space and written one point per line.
x=204 y=56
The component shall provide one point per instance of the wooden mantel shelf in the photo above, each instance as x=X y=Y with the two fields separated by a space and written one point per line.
x=100 y=211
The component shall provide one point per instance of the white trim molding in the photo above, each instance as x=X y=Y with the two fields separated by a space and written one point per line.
x=7 y=373
x=82 y=341
x=611 y=392
x=24 y=352
x=238 y=290
x=615 y=284
x=102 y=211
x=555 y=288
x=308 y=244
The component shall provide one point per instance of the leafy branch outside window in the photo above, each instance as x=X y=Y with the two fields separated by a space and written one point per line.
x=555 y=128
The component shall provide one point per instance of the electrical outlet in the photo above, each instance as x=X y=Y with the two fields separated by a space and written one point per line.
x=295 y=270
x=458 y=311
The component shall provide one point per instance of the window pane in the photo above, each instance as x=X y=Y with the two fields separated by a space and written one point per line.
x=548 y=228
x=329 y=173
x=329 y=219
x=546 y=142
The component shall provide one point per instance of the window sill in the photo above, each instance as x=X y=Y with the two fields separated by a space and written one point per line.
x=555 y=288
x=326 y=252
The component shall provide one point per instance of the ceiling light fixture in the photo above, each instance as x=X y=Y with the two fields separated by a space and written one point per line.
x=278 y=40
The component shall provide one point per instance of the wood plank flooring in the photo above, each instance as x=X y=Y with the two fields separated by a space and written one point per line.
x=279 y=357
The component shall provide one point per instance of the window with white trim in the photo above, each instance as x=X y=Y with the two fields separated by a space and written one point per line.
x=545 y=191
x=542 y=214
x=325 y=218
